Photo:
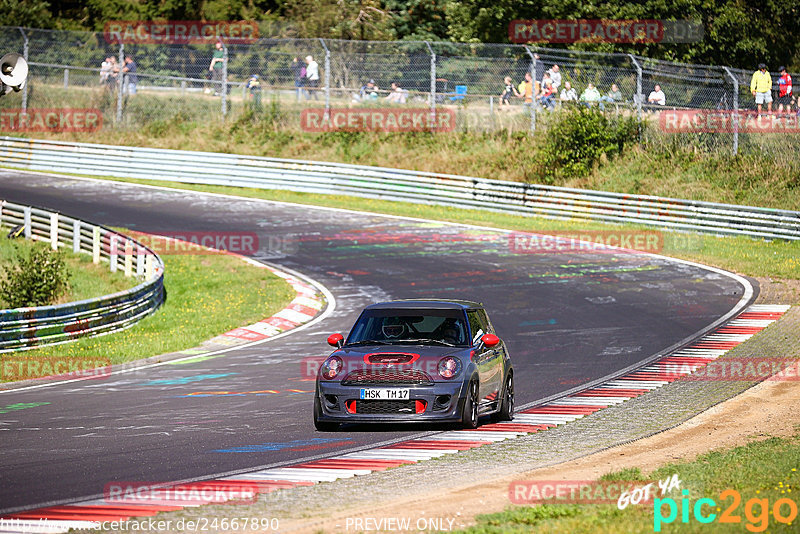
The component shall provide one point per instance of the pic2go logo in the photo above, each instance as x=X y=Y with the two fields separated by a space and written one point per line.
x=756 y=511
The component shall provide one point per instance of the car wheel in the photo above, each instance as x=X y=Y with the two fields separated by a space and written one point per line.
x=322 y=426
x=469 y=414
x=506 y=412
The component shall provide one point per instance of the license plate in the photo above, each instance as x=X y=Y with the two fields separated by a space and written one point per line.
x=384 y=394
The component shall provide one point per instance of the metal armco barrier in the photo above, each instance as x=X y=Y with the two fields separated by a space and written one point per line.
x=400 y=185
x=25 y=328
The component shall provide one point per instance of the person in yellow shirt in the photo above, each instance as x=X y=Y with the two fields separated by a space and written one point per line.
x=761 y=87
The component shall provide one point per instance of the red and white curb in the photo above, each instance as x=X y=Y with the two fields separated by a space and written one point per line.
x=549 y=415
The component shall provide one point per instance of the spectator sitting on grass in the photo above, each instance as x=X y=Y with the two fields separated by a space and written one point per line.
x=568 y=94
x=590 y=96
x=368 y=90
x=397 y=95
x=546 y=98
x=657 y=96
x=614 y=95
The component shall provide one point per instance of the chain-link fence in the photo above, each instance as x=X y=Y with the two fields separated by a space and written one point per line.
x=481 y=84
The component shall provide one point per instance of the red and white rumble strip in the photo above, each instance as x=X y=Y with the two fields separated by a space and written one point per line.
x=551 y=414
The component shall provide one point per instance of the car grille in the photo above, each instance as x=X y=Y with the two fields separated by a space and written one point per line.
x=385 y=407
x=387 y=376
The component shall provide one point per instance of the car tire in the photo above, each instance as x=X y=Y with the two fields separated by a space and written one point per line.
x=469 y=413
x=322 y=426
x=506 y=411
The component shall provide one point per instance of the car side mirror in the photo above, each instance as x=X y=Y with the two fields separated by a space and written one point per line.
x=490 y=340
x=336 y=340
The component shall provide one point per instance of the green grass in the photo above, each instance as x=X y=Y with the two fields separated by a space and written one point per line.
x=206 y=296
x=768 y=469
x=753 y=257
x=87 y=280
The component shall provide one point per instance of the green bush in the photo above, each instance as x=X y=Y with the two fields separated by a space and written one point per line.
x=580 y=138
x=36 y=279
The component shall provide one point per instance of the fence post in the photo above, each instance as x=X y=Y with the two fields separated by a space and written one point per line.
x=433 y=78
x=533 y=96
x=128 y=258
x=638 y=96
x=224 y=80
x=327 y=77
x=24 y=55
x=54 y=231
x=112 y=252
x=119 y=83
x=735 y=111
x=66 y=78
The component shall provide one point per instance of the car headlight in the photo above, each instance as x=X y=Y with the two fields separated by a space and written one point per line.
x=449 y=367
x=332 y=367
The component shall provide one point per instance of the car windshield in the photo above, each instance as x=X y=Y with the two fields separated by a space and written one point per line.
x=422 y=326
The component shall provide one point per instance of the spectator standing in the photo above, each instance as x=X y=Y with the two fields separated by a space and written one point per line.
x=526 y=89
x=761 y=87
x=105 y=70
x=590 y=95
x=312 y=78
x=657 y=96
x=508 y=91
x=568 y=94
x=130 y=78
x=555 y=76
x=299 y=73
x=254 y=92
x=538 y=69
x=215 y=67
x=784 y=91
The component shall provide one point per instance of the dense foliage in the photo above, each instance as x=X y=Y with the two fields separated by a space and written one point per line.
x=737 y=33
x=37 y=278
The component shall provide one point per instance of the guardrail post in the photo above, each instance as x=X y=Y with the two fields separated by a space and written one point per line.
x=150 y=269
x=735 y=111
x=26 y=221
x=2 y=203
x=96 y=245
x=128 y=258
x=140 y=257
x=119 y=82
x=112 y=252
x=54 y=231
x=76 y=236
x=24 y=55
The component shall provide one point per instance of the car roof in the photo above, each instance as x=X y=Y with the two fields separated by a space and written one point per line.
x=422 y=304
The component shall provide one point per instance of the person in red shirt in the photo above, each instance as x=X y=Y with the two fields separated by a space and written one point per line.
x=784 y=91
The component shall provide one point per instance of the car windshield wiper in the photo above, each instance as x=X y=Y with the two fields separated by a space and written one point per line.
x=423 y=341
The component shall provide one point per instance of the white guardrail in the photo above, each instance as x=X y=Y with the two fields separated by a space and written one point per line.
x=400 y=185
x=25 y=328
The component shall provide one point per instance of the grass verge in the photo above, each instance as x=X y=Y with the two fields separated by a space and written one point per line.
x=87 y=280
x=753 y=257
x=207 y=295
x=761 y=473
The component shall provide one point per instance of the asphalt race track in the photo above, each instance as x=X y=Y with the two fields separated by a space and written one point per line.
x=568 y=319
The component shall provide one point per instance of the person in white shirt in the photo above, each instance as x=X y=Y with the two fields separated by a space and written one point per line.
x=657 y=96
x=568 y=94
x=312 y=78
x=397 y=95
x=555 y=76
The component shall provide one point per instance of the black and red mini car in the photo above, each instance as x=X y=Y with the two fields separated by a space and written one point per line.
x=420 y=361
